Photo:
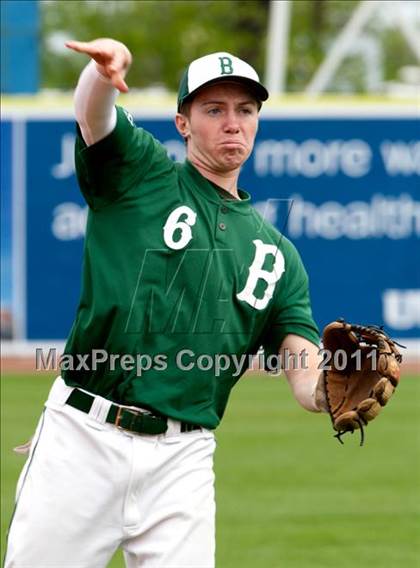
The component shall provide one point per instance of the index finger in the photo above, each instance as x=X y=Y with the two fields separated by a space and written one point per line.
x=82 y=47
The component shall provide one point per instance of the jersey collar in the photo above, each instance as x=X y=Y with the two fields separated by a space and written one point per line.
x=206 y=188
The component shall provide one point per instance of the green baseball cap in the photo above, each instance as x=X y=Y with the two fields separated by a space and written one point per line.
x=218 y=67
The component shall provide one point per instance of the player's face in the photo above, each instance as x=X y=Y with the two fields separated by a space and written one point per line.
x=221 y=127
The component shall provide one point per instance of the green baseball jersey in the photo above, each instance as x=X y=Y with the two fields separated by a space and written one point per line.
x=179 y=285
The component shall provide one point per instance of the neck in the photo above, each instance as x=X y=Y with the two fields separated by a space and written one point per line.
x=226 y=180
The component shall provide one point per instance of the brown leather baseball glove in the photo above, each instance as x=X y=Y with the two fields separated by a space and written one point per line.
x=361 y=372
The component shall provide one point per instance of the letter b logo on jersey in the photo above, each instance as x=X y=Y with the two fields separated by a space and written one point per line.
x=256 y=273
x=226 y=65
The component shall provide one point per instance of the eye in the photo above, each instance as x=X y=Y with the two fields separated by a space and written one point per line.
x=213 y=111
x=246 y=110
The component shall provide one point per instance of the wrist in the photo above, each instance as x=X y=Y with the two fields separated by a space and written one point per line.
x=320 y=397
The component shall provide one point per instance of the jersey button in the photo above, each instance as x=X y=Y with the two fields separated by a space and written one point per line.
x=222 y=226
x=224 y=209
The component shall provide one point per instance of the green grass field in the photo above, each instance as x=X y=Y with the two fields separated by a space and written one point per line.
x=289 y=496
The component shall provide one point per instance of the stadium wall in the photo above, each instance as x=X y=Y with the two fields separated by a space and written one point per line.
x=341 y=181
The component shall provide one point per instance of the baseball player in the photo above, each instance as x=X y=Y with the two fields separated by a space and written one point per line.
x=179 y=272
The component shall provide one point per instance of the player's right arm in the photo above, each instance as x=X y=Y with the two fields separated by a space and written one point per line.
x=114 y=158
x=98 y=86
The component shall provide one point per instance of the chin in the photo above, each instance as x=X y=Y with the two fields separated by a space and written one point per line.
x=229 y=165
x=233 y=161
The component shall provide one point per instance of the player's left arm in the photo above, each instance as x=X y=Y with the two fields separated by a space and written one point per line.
x=301 y=362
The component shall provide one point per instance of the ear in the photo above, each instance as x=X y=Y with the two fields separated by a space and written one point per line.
x=182 y=124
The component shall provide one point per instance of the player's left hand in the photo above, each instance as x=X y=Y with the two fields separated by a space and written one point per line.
x=361 y=374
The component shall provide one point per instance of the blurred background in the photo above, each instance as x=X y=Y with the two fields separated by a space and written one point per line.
x=381 y=55
x=336 y=168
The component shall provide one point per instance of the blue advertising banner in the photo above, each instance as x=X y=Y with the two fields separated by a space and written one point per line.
x=55 y=227
x=344 y=190
x=6 y=230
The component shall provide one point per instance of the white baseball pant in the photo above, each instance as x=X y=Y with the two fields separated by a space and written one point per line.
x=89 y=488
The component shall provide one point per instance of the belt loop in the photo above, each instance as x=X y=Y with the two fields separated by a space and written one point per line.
x=174 y=428
x=99 y=409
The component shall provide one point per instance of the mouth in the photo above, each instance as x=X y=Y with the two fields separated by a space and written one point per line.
x=231 y=143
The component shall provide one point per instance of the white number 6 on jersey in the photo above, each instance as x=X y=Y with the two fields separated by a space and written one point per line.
x=173 y=223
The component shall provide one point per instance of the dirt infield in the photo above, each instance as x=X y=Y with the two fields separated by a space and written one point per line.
x=21 y=365
x=18 y=365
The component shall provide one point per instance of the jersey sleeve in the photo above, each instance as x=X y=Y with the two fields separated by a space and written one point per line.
x=291 y=312
x=111 y=167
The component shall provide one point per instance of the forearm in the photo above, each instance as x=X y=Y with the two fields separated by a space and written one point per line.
x=94 y=102
x=304 y=378
x=308 y=390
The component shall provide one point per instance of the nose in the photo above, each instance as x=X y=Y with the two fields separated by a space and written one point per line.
x=231 y=125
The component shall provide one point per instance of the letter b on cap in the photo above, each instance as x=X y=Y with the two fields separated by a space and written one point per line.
x=226 y=65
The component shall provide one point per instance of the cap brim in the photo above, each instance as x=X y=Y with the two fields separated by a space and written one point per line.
x=259 y=91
